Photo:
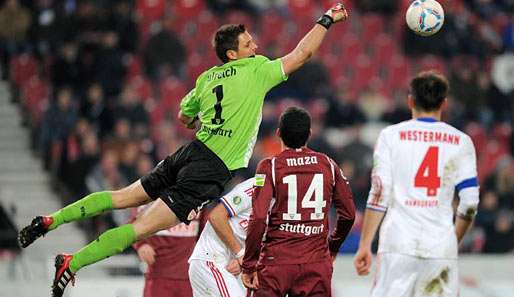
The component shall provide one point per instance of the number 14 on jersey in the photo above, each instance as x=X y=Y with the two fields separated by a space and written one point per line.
x=315 y=189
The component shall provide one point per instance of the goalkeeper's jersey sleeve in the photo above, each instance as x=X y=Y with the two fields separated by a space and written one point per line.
x=228 y=101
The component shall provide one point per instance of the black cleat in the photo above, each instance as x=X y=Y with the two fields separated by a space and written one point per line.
x=63 y=274
x=36 y=229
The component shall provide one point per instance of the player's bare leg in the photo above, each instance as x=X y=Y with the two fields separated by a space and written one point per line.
x=130 y=196
x=158 y=217
x=89 y=206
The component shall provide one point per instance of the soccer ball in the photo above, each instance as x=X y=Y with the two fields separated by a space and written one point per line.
x=425 y=17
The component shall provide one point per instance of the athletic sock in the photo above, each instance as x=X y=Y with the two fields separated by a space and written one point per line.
x=110 y=243
x=89 y=206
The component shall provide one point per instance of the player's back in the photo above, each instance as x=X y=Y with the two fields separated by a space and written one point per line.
x=429 y=160
x=303 y=182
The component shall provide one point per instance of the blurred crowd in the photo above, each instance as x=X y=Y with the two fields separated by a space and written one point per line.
x=99 y=84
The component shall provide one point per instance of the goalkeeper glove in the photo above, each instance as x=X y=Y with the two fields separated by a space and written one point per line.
x=335 y=14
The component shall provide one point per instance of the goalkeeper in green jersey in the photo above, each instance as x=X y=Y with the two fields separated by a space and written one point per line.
x=226 y=104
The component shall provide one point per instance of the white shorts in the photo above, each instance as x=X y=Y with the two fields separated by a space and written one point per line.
x=400 y=275
x=210 y=280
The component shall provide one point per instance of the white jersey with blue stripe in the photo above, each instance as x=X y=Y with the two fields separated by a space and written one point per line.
x=238 y=204
x=418 y=167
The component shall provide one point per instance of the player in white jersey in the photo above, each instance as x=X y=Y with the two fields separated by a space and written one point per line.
x=418 y=167
x=215 y=263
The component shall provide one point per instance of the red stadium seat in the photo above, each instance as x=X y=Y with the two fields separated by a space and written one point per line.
x=352 y=48
x=364 y=72
x=338 y=32
x=334 y=63
x=384 y=47
x=371 y=26
x=302 y=9
x=188 y=8
x=23 y=67
x=150 y=10
x=302 y=27
x=201 y=27
x=240 y=17
x=398 y=72
x=207 y=24
x=273 y=25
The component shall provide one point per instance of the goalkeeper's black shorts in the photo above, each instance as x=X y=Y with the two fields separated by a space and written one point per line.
x=188 y=179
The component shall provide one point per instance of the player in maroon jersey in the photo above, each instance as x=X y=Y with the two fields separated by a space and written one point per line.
x=166 y=254
x=293 y=194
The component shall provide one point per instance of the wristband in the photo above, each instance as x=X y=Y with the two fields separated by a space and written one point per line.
x=326 y=21
x=240 y=253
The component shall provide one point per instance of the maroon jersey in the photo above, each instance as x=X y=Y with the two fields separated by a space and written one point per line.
x=172 y=250
x=294 y=191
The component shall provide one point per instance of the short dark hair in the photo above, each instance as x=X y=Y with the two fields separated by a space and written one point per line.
x=295 y=127
x=226 y=38
x=429 y=89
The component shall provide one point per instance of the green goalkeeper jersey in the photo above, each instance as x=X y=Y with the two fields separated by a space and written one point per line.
x=228 y=101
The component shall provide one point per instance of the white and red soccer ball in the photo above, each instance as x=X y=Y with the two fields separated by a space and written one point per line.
x=425 y=17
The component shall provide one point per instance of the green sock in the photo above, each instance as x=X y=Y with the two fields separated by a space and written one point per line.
x=89 y=206
x=111 y=242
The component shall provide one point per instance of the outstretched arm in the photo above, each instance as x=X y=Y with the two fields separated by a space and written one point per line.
x=312 y=40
